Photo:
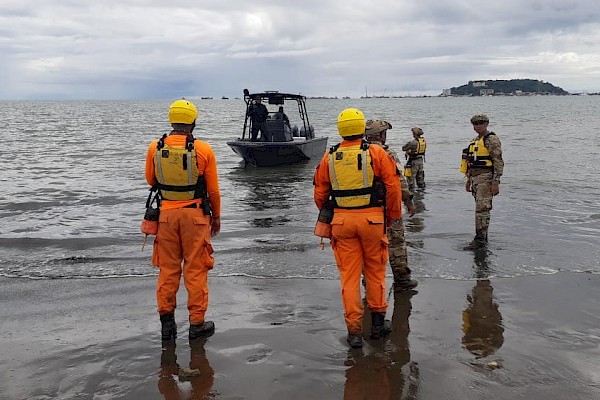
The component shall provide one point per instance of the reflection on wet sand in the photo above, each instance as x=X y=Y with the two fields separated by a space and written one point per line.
x=415 y=223
x=200 y=375
x=384 y=370
x=483 y=333
x=404 y=372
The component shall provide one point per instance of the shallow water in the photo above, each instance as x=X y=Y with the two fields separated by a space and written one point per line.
x=74 y=189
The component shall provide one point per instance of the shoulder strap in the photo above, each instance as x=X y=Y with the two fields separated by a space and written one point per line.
x=189 y=142
x=161 y=142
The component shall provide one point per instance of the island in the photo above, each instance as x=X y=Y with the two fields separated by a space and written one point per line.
x=512 y=87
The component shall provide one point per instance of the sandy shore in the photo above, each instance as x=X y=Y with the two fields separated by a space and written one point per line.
x=530 y=337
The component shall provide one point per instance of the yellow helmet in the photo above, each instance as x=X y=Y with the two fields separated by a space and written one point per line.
x=351 y=122
x=182 y=112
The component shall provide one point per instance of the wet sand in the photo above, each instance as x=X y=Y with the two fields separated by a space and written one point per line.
x=532 y=337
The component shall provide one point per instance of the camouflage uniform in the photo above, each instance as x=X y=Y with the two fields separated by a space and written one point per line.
x=395 y=232
x=376 y=135
x=416 y=164
x=481 y=183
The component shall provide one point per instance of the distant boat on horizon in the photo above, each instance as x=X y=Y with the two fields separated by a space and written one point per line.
x=224 y=98
x=206 y=98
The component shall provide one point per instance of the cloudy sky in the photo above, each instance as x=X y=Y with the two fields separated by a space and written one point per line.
x=134 y=49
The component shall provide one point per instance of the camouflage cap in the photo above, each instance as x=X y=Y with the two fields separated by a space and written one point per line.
x=376 y=129
x=479 y=118
x=417 y=131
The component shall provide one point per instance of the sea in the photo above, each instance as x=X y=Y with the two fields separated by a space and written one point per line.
x=74 y=191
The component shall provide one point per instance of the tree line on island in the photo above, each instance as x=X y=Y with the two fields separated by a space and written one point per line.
x=512 y=87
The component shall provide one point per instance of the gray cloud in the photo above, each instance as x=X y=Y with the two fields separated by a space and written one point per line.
x=151 y=49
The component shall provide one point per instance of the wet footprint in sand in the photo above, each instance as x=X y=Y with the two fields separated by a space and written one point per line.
x=260 y=356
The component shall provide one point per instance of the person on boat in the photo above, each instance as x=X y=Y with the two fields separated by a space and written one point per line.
x=363 y=182
x=280 y=115
x=258 y=114
x=190 y=211
x=483 y=166
x=415 y=153
x=376 y=134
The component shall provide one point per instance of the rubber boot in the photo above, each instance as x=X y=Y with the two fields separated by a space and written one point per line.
x=168 y=329
x=379 y=325
x=355 y=340
x=203 y=330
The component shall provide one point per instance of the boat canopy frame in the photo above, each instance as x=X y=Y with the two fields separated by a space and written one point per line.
x=277 y=98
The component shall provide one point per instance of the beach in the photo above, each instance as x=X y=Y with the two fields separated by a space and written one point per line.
x=533 y=337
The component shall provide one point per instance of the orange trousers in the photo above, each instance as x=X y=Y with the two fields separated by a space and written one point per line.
x=360 y=246
x=183 y=235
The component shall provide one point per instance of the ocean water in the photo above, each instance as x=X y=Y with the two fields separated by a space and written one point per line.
x=74 y=191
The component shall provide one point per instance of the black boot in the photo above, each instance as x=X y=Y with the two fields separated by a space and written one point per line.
x=479 y=242
x=404 y=283
x=168 y=327
x=203 y=330
x=355 y=340
x=379 y=325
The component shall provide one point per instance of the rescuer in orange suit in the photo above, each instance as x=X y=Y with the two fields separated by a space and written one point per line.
x=364 y=183
x=184 y=170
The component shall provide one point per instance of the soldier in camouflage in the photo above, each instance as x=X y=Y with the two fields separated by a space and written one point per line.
x=375 y=133
x=415 y=153
x=484 y=167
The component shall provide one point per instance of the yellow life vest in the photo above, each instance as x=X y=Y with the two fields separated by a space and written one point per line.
x=421 y=147
x=477 y=155
x=177 y=171
x=351 y=175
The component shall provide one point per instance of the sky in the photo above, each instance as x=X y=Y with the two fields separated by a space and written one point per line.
x=134 y=49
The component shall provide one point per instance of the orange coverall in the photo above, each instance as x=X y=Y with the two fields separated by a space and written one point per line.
x=184 y=235
x=359 y=241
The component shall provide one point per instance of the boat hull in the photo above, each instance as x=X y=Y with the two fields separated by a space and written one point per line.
x=270 y=154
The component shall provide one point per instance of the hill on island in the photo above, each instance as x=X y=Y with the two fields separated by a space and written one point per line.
x=512 y=87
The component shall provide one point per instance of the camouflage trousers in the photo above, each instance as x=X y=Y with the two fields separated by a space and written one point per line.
x=481 y=189
x=417 y=174
x=397 y=250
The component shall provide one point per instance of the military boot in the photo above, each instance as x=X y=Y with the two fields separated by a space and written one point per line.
x=479 y=242
x=203 y=330
x=168 y=329
x=379 y=325
x=355 y=340
x=404 y=283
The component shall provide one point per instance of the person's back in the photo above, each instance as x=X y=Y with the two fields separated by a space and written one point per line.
x=258 y=114
x=350 y=174
x=189 y=216
x=415 y=153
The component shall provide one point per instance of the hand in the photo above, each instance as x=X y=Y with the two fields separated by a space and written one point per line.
x=495 y=189
x=215 y=226
x=468 y=185
x=389 y=221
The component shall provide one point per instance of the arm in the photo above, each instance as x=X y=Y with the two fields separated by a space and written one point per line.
x=150 y=172
x=322 y=182
x=385 y=167
x=495 y=148
x=407 y=196
x=207 y=165
x=410 y=147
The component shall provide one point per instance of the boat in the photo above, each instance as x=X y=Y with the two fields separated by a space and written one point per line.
x=286 y=144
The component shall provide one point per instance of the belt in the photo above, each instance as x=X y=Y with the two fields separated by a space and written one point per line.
x=193 y=205
x=476 y=171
